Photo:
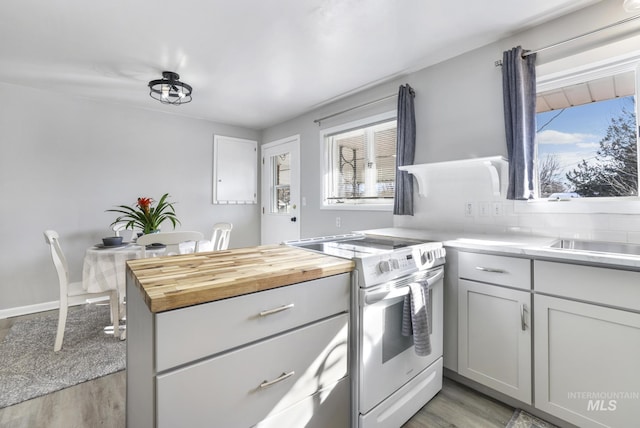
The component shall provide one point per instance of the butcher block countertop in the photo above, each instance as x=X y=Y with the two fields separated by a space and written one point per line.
x=178 y=281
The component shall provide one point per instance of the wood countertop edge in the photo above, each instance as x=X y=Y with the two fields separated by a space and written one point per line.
x=179 y=289
x=169 y=302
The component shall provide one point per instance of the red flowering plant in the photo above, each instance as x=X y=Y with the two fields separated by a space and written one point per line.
x=145 y=216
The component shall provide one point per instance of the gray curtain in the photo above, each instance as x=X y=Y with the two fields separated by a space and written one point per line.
x=405 y=151
x=519 y=94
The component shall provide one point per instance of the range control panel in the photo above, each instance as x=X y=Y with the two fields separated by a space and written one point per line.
x=381 y=268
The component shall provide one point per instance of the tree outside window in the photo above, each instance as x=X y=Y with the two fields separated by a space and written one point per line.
x=588 y=148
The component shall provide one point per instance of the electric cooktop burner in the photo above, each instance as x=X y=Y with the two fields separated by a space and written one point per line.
x=356 y=245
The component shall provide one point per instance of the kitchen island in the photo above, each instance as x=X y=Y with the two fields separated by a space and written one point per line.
x=244 y=337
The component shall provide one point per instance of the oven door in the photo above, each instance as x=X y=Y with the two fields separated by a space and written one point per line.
x=387 y=358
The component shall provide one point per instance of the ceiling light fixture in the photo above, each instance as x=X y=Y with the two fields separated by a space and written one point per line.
x=631 y=5
x=170 y=90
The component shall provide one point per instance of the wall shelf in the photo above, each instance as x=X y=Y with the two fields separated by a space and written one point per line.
x=497 y=166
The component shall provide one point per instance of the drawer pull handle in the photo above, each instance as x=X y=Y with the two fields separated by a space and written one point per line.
x=492 y=270
x=276 y=310
x=523 y=318
x=283 y=376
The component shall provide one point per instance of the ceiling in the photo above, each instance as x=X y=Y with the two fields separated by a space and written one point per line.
x=251 y=63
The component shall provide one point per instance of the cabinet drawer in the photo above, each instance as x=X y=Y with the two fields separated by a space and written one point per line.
x=501 y=270
x=226 y=391
x=327 y=408
x=188 y=334
x=610 y=287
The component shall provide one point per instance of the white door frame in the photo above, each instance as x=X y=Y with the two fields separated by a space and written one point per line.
x=295 y=186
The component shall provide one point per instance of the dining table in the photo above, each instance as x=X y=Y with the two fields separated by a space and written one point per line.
x=104 y=268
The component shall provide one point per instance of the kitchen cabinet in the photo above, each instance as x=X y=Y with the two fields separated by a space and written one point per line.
x=273 y=358
x=494 y=333
x=587 y=343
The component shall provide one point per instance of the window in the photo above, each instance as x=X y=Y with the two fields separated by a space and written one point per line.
x=360 y=163
x=281 y=197
x=587 y=140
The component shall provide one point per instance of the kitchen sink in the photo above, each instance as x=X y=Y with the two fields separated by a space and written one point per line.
x=596 y=246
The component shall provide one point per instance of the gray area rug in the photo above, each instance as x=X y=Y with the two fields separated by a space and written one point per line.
x=29 y=368
x=522 y=419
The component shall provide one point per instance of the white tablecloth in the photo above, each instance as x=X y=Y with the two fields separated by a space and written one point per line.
x=105 y=268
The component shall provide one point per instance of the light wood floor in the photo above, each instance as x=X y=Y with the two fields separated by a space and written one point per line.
x=101 y=403
x=457 y=406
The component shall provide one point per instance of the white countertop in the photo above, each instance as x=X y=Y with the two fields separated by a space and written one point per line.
x=536 y=247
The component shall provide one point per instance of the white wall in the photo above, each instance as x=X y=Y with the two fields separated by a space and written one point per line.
x=471 y=124
x=65 y=161
x=460 y=116
x=315 y=221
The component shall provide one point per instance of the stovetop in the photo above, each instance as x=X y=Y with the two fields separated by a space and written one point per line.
x=357 y=246
x=377 y=258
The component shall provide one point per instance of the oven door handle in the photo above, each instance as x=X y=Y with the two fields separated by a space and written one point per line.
x=374 y=297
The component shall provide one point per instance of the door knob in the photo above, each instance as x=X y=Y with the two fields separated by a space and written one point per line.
x=293 y=219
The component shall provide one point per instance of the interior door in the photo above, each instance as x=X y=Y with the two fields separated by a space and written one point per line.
x=281 y=190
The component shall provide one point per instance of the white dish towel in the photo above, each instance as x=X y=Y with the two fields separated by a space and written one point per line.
x=415 y=317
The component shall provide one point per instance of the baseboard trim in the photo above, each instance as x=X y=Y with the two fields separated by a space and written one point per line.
x=41 y=307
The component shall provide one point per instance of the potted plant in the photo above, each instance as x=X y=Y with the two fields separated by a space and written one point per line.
x=145 y=216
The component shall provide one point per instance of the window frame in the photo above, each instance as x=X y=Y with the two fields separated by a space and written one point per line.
x=556 y=80
x=325 y=158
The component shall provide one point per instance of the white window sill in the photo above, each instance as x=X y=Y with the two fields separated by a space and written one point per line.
x=358 y=207
x=626 y=205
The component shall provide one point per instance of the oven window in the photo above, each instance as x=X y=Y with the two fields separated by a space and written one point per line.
x=393 y=342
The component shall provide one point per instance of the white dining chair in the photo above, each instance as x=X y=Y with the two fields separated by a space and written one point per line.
x=221 y=235
x=171 y=239
x=74 y=289
x=122 y=226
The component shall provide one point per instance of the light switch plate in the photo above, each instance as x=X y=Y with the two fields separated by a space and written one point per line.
x=469 y=209
x=485 y=209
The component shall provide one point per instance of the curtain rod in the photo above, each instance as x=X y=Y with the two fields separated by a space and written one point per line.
x=354 y=108
x=498 y=63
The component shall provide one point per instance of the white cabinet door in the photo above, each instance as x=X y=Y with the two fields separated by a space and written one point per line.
x=494 y=338
x=587 y=361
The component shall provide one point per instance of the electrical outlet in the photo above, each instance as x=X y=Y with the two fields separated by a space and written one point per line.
x=468 y=209
x=485 y=209
x=338 y=222
x=497 y=209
